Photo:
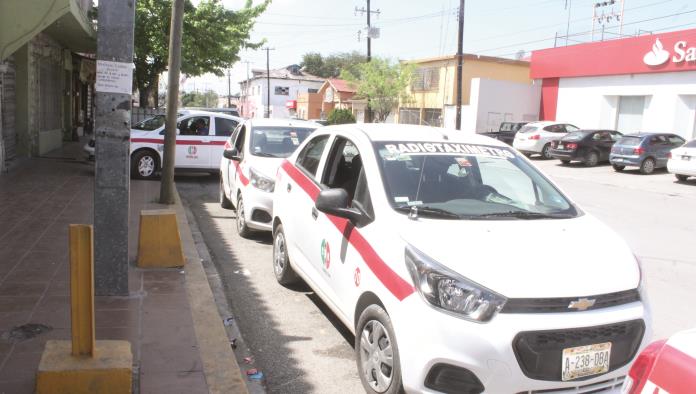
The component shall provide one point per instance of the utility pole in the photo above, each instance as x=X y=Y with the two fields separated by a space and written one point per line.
x=267 y=112
x=112 y=151
x=569 y=4
x=460 y=60
x=369 y=47
x=167 y=191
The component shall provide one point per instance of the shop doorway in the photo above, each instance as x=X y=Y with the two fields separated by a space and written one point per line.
x=629 y=117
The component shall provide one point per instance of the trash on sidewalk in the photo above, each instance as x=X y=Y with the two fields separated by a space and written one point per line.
x=256 y=376
x=24 y=332
x=233 y=343
x=248 y=360
x=228 y=321
x=252 y=371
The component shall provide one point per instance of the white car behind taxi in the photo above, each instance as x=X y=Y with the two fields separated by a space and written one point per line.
x=249 y=164
x=536 y=137
x=398 y=229
x=682 y=161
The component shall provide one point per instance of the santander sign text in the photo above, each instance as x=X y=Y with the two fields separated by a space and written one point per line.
x=659 y=55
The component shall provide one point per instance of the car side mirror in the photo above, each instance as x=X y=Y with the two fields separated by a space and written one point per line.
x=231 y=154
x=337 y=202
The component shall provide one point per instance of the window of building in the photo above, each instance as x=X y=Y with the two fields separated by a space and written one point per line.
x=425 y=79
x=282 y=90
x=312 y=90
x=629 y=117
x=432 y=117
x=409 y=115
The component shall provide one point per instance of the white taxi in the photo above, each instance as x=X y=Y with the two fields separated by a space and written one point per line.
x=199 y=142
x=424 y=242
x=536 y=137
x=249 y=164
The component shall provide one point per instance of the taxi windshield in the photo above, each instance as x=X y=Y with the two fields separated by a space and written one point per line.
x=150 y=124
x=277 y=141
x=465 y=181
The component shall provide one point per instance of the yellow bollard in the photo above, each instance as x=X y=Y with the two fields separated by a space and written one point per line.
x=159 y=242
x=84 y=365
x=82 y=289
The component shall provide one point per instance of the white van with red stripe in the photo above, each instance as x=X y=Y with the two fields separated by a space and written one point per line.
x=199 y=142
x=398 y=229
x=251 y=158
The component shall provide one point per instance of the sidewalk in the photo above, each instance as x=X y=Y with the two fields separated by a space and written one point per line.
x=39 y=198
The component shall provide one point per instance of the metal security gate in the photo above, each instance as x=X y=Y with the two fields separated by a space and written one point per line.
x=8 y=107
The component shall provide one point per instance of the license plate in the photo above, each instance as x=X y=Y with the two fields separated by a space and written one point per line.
x=581 y=361
x=560 y=146
x=687 y=158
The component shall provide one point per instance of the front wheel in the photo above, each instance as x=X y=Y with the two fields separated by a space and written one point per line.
x=377 y=353
x=284 y=273
x=144 y=164
x=618 y=168
x=592 y=159
x=681 y=178
x=242 y=227
x=647 y=166
x=546 y=152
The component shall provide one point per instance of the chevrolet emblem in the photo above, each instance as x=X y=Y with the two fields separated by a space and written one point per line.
x=581 y=304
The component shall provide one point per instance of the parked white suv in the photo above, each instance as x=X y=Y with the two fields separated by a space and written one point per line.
x=249 y=164
x=422 y=241
x=536 y=137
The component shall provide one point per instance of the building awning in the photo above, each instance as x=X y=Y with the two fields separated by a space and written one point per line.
x=63 y=20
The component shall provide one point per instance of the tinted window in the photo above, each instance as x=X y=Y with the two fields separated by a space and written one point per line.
x=675 y=140
x=310 y=156
x=630 y=141
x=224 y=126
x=277 y=141
x=239 y=142
x=658 y=140
x=153 y=123
x=196 y=125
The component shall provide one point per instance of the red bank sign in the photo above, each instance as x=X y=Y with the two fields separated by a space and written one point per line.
x=668 y=52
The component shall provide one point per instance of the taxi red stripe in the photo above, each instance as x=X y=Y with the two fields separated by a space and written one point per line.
x=390 y=279
x=242 y=178
x=178 y=142
x=674 y=371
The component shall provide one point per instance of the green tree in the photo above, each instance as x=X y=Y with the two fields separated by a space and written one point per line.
x=206 y=99
x=382 y=82
x=212 y=39
x=331 y=66
x=340 y=116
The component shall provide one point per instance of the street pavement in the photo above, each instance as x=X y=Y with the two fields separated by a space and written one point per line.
x=301 y=347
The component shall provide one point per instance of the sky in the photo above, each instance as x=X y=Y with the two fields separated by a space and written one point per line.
x=411 y=29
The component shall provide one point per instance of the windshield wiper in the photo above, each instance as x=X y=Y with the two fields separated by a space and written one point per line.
x=264 y=154
x=424 y=210
x=523 y=215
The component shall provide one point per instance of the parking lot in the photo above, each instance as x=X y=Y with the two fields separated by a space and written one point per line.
x=299 y=345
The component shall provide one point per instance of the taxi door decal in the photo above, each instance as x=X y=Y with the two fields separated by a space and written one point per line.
x=242 y=177
x=390 y=279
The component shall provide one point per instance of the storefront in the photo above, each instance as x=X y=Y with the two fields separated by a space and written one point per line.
x=645 y=83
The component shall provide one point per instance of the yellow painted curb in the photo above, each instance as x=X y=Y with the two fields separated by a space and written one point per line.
x=159 y=242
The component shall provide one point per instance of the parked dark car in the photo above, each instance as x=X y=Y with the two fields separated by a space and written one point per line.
x=647 y=151
x=506 y=132
x=587 y=146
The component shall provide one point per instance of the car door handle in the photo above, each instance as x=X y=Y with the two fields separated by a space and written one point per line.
x=289 y=188
x=315 y=213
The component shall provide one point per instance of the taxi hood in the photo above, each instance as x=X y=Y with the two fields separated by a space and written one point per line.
x=529 y=258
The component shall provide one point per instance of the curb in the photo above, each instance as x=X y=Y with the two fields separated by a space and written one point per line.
x=220 y=367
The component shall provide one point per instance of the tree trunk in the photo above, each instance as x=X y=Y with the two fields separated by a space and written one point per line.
x=148 y=92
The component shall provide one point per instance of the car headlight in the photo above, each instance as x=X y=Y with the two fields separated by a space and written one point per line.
x=260 y=181
x=449 y=291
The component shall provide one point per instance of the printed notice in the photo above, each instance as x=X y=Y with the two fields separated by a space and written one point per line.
x=114 y=77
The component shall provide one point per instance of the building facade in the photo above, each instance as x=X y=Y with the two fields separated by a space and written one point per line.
x=46 y=75
x=285 y=86
x=645 y=83
x=434 y=87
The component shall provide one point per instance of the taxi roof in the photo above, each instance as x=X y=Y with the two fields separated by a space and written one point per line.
x=406 y=132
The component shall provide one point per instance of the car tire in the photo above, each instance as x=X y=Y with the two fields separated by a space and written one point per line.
x=647 y=166
x=284 y=273
x=592 y=159
x=374 y=320
x=618 y=168
x=242 y=227
x=681 y=178
x=144 y=164
x=546 y=152
x=224 y=201
x=565 y=162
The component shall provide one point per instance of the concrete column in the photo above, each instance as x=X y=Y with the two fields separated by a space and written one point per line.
x=112 y=153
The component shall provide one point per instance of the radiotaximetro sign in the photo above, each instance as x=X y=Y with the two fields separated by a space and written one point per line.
x=666 y=52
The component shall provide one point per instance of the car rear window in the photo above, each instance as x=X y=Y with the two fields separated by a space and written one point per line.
x=507 y=126
x=630 y=141
x=690 y=144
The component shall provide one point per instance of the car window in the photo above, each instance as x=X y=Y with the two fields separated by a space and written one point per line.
x=224 y=126
x=195 y=125
x=309 y=158
x=553 y=128
x=476 y=182
x=150 y=124
x=658 y=140
x=344 y=170
x=615 y=135
x=570 y=127
x=675 y=140
x=239 y=141
x=277 y=141
x=604 y=136
x=630 y=141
